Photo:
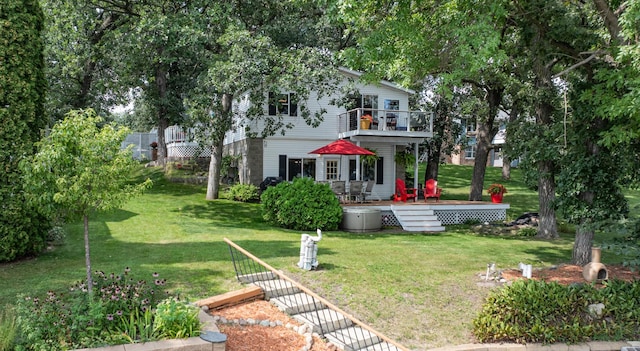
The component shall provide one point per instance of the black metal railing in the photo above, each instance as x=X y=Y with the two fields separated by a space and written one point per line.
x=306 y=306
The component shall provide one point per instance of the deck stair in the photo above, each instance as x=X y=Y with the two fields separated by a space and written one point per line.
x=338 y=327
x=417 y=218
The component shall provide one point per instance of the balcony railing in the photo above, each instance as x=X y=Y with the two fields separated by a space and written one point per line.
x=385 y=120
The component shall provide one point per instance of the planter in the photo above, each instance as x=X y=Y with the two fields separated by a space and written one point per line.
x=365 y=124
x=497 y=198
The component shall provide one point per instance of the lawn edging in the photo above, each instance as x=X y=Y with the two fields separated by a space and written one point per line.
x=587 y=346
x=195 y=343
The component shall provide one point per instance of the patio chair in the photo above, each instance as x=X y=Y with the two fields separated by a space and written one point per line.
x=355 y=190
x=339 y=188
x=403 y=193
x=431 y=190
x=366 y=190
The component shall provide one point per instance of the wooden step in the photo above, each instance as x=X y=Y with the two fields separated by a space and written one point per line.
x=232 y=298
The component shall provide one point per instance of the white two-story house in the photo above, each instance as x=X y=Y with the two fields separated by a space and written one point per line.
x=392 y=127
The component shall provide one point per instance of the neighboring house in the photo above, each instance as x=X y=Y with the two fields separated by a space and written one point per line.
x=466 y=154
x=390 y=129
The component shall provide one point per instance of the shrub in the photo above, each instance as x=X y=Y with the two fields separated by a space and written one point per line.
x=121 y=310
x=244 y=193
x=301 y=205
x=176 y=319
x=8 y=329
x=527 y=231
x=530 y=311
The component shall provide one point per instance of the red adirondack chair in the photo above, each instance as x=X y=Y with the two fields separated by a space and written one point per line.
x=431 y=190
x=403 y=193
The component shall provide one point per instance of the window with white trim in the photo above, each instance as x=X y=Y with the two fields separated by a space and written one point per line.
x=282 y=104
x=470 y=150
x=331 y=170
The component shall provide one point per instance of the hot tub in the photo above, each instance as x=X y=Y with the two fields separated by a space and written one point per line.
x=361 y=219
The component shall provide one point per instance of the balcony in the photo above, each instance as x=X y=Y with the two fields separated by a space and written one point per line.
x=385 y=123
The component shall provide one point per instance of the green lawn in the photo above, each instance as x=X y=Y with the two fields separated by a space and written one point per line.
x=420 y=289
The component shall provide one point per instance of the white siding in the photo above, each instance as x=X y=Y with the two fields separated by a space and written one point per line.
x=299 y=148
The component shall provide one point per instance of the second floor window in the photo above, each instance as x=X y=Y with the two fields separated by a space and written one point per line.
x=284 y=104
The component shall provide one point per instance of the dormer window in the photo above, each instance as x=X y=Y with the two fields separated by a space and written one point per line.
x=283 y=104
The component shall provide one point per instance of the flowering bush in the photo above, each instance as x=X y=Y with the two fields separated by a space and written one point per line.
x=367 y=117
x=121 y=310
x=496 y=189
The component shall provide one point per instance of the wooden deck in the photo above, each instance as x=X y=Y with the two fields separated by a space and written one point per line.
x=448 y=211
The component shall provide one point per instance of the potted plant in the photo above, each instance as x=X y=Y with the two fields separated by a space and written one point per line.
x=496 y=190
x=365 y=121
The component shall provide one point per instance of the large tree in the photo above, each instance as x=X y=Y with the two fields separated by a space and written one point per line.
x=260 y=54
x=80 y=169
x=76 y=44
x=22 y=93
x=464 y=43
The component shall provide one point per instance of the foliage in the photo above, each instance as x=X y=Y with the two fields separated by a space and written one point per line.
x=531 y=311
x=22 y=92
x=370 y=160
x=120 y=311
x=79 y=169
x=527 y=232
x=404 y=157
x=496 y=188
x=301 y=205
x=244 y=193
x=176 y=319
x=628 y=243
x=8 y=328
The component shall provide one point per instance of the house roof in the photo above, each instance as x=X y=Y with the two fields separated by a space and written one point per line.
x=386 y=83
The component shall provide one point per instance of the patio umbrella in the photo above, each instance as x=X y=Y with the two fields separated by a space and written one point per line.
x=341 y=147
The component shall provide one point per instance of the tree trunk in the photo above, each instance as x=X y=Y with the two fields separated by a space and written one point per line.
x=547 y=228
x=484 y=136
x=479 y=168
x=87 y=255
x=213 y=181
x=433 y=162
x=506 y=167
x=582 y=246
x=163 y=121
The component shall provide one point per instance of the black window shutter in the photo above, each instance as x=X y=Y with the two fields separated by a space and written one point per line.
x=272 y=104
x=293 y=105
x=282 y=166
x=380 y=170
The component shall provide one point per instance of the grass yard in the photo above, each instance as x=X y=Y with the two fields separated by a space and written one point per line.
x=420 y=289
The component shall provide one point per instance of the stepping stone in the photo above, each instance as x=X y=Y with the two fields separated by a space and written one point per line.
x=353 y=338
x=324 y=321
x=297 y=303
x=276 y=287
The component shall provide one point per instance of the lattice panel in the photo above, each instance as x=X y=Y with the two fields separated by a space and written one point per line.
x=178 y=151
x=389 y=219
x=459 y=217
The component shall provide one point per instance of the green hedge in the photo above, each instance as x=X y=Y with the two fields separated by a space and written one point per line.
x=531 y=311
x=301 y=205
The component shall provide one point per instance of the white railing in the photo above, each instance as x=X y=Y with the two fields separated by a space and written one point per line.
x=385 y=120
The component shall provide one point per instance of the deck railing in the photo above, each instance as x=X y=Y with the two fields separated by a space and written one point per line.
x=385 y=120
